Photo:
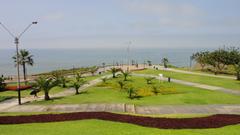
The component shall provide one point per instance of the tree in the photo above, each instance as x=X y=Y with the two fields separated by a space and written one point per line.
x=63 y=81
x=59 y=78
x=114 y=71
x=104 y=79
x=218 y=59
x=201 y=58
x=93 y=70
x=121 y=84
x=45 y=84
x=234 y=59
x=2 y=84
x=78 y=76
x=132 y=93
x=165 y=62
x=149 y=63
x=25 y=58
x=155 y=89
x=125 y=74
x=149 y=80
x=78 y=83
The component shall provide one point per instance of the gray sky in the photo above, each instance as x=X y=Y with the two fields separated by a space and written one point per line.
x=113 y=23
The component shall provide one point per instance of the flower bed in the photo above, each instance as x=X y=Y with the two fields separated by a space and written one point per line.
x=14 y=88
x=214 y=121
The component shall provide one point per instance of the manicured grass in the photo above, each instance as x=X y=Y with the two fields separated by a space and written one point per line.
x=100 y=127
x=221 y=82
x=184 y=95
x=25 y=93
x=13 y=94
x=2 y=98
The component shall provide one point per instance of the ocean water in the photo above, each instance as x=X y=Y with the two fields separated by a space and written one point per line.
x=52 y=59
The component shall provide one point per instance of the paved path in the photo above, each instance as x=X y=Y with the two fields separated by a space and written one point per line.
x=198 y=85
x=126 y=108
x=194 y=73
x=14 y=102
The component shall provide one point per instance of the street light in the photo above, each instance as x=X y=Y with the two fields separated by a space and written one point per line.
x=16 y=41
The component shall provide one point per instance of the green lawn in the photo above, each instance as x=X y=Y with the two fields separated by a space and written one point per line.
x=25 y=93
x=13 y=94
x=100 y=127
x=183 y=95
x=225 y=83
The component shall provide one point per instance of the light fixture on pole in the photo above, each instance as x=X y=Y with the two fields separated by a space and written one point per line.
x=16 y=41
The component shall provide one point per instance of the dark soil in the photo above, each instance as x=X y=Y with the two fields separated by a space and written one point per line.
x=214 y=121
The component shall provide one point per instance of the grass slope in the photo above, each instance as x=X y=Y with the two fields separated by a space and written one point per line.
x=184 y=95
x=99 y=127
x=221 y=82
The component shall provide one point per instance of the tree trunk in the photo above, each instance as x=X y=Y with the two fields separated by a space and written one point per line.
x=238 y=75
x=24 y=73
x=46 y=97
x=77 y=92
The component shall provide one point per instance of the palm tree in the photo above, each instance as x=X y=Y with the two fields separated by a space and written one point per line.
x=45 y=84
x=25 y=58
x=125 y=74
x=121 y=84
x=114 y=71
x=150 y=80
x=165 y=62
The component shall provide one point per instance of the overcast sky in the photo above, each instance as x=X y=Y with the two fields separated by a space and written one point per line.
x=113 y=23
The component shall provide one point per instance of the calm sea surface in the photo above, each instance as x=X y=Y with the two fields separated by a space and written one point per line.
x=52 y=59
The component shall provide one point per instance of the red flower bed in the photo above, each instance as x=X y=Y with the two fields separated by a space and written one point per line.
x=14 y=88
x=214 y=121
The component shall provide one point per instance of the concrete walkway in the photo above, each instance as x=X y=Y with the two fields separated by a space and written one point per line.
x=14 y=102
x=194 y=73
x=198 y=85
x=126 y=108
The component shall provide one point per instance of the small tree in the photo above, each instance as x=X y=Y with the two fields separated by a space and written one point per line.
x=201 y=58
x=218 y=59
x=149 y=80
x=104 y=79
x=93 y=70
x=125 y=74
x=149 y=63
x=2 y=84
x=60 y=79
x=77 y=84
x=63 y=81
x=234 y=59
x=121 y=84
x=78 y=76
x=155 y=89
x=132 y=93
x=45 y=84
x=114 y=71
x=165 y=62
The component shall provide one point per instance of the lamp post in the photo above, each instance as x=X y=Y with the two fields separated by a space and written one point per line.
x=16 y=41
